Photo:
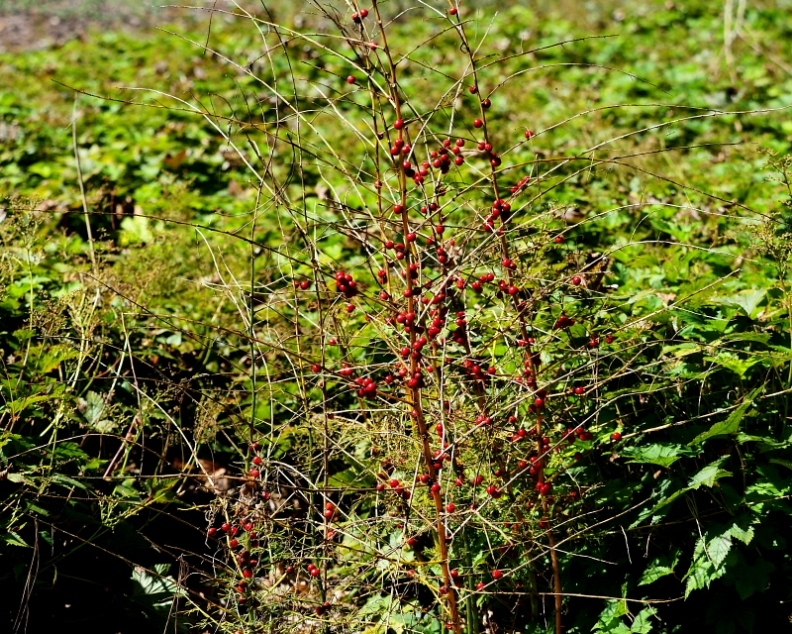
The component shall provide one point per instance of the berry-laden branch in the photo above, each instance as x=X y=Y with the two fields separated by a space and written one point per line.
x=411 y=271
x=501 y=209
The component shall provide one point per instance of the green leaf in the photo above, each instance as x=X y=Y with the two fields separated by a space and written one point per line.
x=94 y=406
x=641 y=624
x=708 y=557
x=13 y=539
x=733 y=362
x=747 y=300
x=657 y=570
x=709 y=475
x=782 y=462
x=718 y=547
x=658 y=454
x=135 y=230
x=745 y=535
x=732 y=424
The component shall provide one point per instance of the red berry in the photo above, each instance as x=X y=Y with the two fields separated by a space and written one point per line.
x=497 y=574
x=577 y=280
x=473 y=90
x=398 y=124
x=315 y=572
x=529 y=134
x=616 y=436
x=453 y=11
x=480 y=585
x=451 y=507
x=351 y=79
x=486 y=104
x=478 y=123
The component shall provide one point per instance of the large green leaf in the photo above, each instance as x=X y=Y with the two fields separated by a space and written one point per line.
x=732 y=424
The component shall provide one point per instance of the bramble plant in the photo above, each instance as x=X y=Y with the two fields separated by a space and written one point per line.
x=457 y=393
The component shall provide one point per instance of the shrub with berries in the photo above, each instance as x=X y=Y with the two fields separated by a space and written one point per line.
x=451 y=403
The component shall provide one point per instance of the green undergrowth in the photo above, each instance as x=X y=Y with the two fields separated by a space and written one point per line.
x=134 y=350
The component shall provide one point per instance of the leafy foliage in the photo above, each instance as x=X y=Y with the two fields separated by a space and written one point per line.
x=205 y=383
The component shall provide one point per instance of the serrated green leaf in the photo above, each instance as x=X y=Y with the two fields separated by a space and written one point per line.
x=709 y=475
x=642 y=624
x=657 y=570
x=732 y=424
x=94 y=408
x=13 y=539
x=718 y=547
x=745 y=535
x=658 y=454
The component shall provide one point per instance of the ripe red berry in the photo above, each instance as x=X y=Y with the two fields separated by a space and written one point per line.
x=486 y=104
x=577 y=280
x=451 y=507
x=616 y=436
x=315 y=572
x=398 y=124
x=529 y=134
x=480 y=585
x=351 y=79
x=497 y=574
x=257 y=460
x=473 y=90
x=453 y=11
x=478 y=123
